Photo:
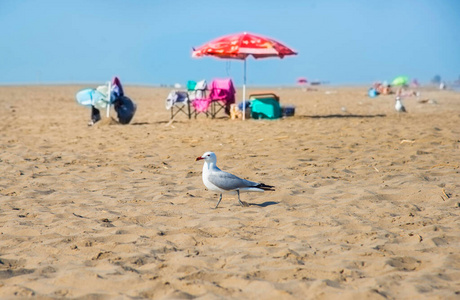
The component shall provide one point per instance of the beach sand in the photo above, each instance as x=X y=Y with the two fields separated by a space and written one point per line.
x=366 y=203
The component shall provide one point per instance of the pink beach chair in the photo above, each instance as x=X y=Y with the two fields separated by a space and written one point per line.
x=221 y=96
x=198 y=97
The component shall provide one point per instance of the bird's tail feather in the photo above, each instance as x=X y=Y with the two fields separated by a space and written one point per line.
x=265 y=187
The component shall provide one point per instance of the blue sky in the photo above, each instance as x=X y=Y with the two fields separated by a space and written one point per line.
x=150 y=42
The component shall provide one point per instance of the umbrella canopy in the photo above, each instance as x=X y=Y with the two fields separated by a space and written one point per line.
x=302 y=80
x=400 y=80
x=240 y=46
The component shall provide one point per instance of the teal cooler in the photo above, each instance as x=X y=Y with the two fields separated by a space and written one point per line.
x=265 y=108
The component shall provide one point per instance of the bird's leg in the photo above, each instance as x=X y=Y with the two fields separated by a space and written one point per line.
x=239 y=200
x=220 y=198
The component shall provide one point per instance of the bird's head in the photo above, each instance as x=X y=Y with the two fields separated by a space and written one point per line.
x=209 y=157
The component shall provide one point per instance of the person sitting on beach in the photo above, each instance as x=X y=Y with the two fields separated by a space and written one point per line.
x=386 y=90
x=402 y=92
x=383 y=89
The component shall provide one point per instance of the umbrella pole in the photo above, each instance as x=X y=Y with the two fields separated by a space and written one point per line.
x=108 y=98
x=244 y=91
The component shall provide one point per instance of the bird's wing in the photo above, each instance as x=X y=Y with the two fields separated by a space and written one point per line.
x=228 y=182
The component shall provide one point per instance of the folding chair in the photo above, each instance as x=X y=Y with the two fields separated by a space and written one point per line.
x=180 y=101
x=198 y=97
x=197 y=90
x=191 y=84
x=221 y=95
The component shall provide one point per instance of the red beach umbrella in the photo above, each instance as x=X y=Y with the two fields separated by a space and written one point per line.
x=240 y=46
x=302 y=80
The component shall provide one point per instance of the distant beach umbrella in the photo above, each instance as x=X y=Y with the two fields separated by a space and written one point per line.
x=240 y=46
x=400 y=80
x=302 y=80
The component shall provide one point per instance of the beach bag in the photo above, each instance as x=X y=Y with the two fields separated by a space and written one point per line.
x=372 y=93
x=125 y=109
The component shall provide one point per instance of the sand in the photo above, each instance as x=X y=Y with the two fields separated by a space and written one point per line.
x=366 y=203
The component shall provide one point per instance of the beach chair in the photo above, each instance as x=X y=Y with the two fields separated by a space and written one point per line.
x=198 y=97
x=265 y=106
x=197 y=90
x=221 y=96
x=178 y=101
x=191 y=84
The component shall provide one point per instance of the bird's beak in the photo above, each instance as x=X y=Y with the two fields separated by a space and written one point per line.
x=199 y=158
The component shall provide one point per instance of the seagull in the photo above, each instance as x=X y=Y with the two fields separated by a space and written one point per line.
x=217 y=180
x=399 y=106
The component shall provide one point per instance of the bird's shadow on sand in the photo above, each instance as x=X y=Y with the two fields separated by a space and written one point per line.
x=265 y=204
x=140 y=123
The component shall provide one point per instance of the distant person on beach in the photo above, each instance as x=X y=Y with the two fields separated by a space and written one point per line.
x=382 y=88
x=95 y=116
x=403 y=92
x=102 y=97
x=124 y=107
